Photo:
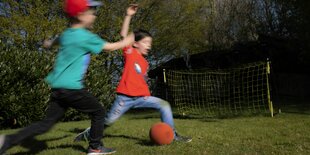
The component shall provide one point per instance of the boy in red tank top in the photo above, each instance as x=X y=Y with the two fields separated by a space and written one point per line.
x=132 y=90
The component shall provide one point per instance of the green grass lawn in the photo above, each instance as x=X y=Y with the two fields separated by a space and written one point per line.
x=286 y=133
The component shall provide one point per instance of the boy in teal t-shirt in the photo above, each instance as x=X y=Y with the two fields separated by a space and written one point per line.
x=73 y=58
x=67 y=78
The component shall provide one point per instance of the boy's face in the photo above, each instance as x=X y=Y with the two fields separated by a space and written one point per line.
x=87 y=18
x=144 y=45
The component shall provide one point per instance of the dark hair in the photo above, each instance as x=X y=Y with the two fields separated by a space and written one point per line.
x=75 y=20
x=140 y=34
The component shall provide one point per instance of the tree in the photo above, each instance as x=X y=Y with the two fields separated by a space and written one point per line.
x=25 y=24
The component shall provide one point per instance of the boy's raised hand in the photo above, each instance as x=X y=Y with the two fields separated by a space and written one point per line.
x=132 y=9
x=47 y=43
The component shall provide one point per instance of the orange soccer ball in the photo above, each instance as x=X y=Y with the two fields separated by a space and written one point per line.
x=161 y=133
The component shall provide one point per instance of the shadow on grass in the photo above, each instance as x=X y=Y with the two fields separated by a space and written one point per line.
x=75 y=130
x=122 y=136
x=147 y=143
x=36 y=146
x=140 y=141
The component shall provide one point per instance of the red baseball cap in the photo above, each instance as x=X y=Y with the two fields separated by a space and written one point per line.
x=74 y=7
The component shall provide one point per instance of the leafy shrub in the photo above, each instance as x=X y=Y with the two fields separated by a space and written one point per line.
x=24 y=94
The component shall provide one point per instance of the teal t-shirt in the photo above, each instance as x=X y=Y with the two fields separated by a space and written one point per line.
x=73 y=58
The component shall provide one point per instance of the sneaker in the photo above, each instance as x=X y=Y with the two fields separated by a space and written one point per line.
x=100 y=150
x=2 y=147
x=179 y=138
x=83 y=136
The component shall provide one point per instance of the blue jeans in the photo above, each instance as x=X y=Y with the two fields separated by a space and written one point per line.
x=123 y=103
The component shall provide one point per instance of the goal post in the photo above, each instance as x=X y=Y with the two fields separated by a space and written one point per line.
x=214 y=92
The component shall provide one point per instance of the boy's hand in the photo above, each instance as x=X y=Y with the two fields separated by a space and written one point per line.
x=47 y=43
x=132 y=9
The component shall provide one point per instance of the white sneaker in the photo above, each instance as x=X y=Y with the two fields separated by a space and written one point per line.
x=83 y=136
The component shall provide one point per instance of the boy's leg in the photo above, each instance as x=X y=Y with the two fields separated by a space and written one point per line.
x=54 y=112
x=121 y=105
x=159 y=104
x=83 y=101
x=165 y=112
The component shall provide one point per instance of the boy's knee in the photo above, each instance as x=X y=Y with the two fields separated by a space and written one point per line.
x=164 y=103
x=99 y=113
x=109 y=122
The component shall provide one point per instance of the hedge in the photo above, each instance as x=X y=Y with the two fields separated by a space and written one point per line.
x=24 y=94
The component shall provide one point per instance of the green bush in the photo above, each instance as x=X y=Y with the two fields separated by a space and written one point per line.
x=24 y=94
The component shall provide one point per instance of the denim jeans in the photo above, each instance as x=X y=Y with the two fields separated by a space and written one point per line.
x=123 y=103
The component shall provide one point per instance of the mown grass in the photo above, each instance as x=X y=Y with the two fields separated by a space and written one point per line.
x=286 y=133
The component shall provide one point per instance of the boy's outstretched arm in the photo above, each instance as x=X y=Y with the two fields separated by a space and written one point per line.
x=131 y=10
x=128 y=40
